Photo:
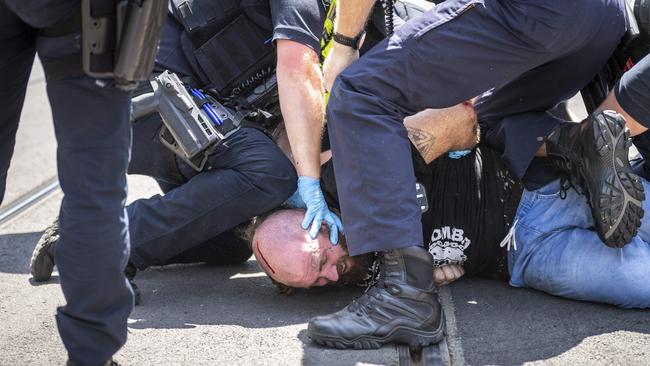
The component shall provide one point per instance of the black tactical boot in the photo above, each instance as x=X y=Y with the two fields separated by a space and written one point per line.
x=401 y=307
x=42 y=263
x=594 y=153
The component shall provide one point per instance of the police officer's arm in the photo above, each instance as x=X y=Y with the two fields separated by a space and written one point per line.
x=300 y=86
x=351 y=17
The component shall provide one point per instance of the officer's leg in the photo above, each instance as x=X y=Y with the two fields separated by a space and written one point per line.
x=454 y=52
x=226 y=248
x=513 y=117
x=149 y=157
x=93 y=134
x=17 y=42
x=632 y=93
x=249 y=175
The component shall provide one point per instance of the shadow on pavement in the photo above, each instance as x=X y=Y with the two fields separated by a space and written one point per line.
x=315 y=355
x=502 y=325
x=16 y=251
x=183 y=296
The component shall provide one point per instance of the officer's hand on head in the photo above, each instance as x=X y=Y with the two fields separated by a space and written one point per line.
x=339 y=58
x=447 y=274
x=317 y=210
x=295 y=201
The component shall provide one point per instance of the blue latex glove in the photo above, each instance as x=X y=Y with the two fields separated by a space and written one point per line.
x=295 y=201
x=459 y=153
x=317 y=210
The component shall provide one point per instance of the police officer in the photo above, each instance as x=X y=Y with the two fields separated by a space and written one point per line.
x=529 y=56
x=223 y=63
x=91 y=119
x=234 y=51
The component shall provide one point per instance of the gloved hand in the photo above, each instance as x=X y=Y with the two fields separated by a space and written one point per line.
x=295 y=201
x=457 y=154
x=317 y=210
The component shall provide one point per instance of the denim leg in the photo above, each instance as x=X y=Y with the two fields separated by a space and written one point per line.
x=18 y=45
x=560 y=253
x=456 y=51
x=249 y=175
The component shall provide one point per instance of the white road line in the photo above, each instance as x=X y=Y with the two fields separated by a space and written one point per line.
x=451 y=347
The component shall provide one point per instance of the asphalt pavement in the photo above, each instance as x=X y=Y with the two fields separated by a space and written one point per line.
x=206 y=315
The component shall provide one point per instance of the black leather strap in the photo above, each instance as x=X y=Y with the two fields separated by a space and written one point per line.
x=347 y=41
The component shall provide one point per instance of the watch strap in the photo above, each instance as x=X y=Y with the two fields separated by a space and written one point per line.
x=354 y=43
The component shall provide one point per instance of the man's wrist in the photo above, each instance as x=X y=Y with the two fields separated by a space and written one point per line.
x=340 y=49
x=353 y=42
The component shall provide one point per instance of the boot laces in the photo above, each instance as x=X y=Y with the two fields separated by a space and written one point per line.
x=374 y=292
x=569 y=163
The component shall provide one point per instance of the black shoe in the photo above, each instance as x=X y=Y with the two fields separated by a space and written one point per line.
x=130 y=273
x=595 y=155
x=402 y=307
x=42 y=262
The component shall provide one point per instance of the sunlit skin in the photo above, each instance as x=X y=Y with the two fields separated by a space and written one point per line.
x=289 y=256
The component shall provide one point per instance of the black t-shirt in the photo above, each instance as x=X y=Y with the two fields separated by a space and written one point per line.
x=472 y=202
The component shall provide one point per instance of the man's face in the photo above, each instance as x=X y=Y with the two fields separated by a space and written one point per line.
x=324 y=262
x=289 y=256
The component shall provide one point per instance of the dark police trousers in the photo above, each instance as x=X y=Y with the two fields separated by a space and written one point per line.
x=93 y=134
x=248 y=175
x=528 y=54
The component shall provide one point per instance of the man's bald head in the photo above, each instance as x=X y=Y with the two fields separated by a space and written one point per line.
x=291 y=257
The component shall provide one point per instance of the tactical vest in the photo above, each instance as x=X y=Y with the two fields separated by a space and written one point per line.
x=231 y=41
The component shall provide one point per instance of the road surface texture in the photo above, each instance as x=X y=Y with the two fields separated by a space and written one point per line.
x=202 y=315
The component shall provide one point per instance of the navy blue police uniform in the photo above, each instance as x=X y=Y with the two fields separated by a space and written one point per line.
x=247 y=174
x=527 y=55
x=92 y=128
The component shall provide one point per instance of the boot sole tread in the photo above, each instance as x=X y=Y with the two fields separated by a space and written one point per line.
x=41 y=264
x=404 y=335
x=618 y=205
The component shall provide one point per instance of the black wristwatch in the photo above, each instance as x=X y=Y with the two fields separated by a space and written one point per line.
x=355 y=42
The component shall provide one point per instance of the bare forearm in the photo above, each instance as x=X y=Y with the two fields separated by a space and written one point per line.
x=300 y=87
x=436 y=131
x=351 y=16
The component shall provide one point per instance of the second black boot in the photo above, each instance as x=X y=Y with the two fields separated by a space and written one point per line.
x=401 y=307
x=594 y=153
x=42 y=262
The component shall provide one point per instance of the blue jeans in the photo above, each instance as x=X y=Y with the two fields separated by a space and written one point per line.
x=559 y=252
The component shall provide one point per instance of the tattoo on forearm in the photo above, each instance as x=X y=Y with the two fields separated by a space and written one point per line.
x=422 y=140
